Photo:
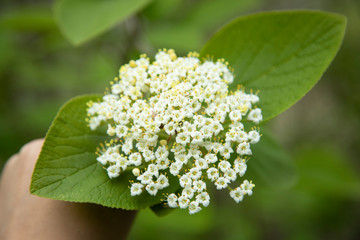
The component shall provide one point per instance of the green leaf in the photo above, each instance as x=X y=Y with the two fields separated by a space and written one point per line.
x=81 y=20
x=282 y=54
x=326 y=171
x=189 y=31
x=29 y=18
x=271 y=164
x=67 y=168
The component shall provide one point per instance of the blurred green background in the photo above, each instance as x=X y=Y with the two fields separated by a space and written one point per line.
x=40 y=70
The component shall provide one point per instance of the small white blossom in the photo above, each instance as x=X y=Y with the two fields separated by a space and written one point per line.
x=152 y=188
x=247 y=187
x=175 y=168
x=230 y=175
x=161 y=153
x=235 y=116
x=135 y=159
x=221 y=183
x=188 y=192
x=255 y=115
x=170 y=128
x=254 y=136
x=136 y=189
x=172 y=200
x=224 y=166
x=145 y=178
x=182 y=158
x=185 y=180
x=183 y=202
x=103 y=159
x=226 y=151
x=213 y=174
x=163 y=163
x=183 y=138
x=162 y=181
x=148 y=155
x=244 y=149
x=113 y=171
x=201 y=163
x=203 y=198
x=153 y=170
x=199 y=185
x=194 y=207
x=211 y=158
x=237 y=194
x=195 y=173
x=121 y=131
x=240 y=167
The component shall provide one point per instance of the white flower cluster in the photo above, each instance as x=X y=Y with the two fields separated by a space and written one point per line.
x=176 y=116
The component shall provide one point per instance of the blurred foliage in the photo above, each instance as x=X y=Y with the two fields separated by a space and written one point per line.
x=320 y=206
x=40 y=70
x=81 y=20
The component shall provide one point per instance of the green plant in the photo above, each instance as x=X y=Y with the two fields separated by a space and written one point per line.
x=282 y=54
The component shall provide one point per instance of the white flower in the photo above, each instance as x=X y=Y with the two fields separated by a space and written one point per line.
x=123 y=163
x=199 y=185
x=241 y=136
x=240 y=167
x=161 y=153
x=195 y=173
x=145 y=178
x=230 y=175
x=178 y=148
x=255 y=115
x=135 y=159
x=148 y=155
x=211 y=158
x=197 y=137
x=244 y=149
x=127 y=147
x=103 y=159
x=226 y=151
x=177 y=115
x=121 y=131
x=172 y=200
x=203 y=198
x=152 y=188
x=182 y=158
x=247 y=187
x=183 y=138
x=153 y=170
x=188 y=192
x=213 y=174
x=162 y=181
x=235 y=115
x=254 y=136
x=163 y=163
x=183 y=202
x=224 y=166
x=175 y=168
x=136 y=189
x=221 y=183
x=185 y=180
x=170 y=128
x=201 y=163
x=113 y=171
x=194 y=207
x=237 y=194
